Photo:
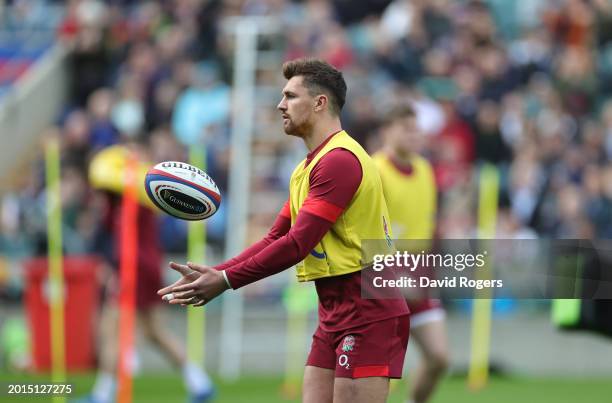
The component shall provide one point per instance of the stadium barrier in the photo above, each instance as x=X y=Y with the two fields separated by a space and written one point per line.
x=31 y=106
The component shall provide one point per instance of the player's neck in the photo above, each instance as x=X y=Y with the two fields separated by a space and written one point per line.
x=321 y=132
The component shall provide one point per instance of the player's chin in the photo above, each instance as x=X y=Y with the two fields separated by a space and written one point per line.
x=297 y=130
x=289 y=129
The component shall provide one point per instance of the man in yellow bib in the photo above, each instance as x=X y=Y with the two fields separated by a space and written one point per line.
x=410 y=191
x=335 y=201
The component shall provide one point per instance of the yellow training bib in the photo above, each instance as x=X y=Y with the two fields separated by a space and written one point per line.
x=365 y=217
x=411 y=199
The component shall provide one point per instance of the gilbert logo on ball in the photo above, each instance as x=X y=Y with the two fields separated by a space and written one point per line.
x=182 y=190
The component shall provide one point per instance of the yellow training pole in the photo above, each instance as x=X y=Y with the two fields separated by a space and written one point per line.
x=196 y=244
x=481 y=310
x=56 y=274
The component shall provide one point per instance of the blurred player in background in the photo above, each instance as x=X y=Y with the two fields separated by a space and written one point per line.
x=410 y=191
x=335 y=201
x=148 y=281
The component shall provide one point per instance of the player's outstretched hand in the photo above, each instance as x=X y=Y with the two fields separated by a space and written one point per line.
x=199 y=285
x=187 y=276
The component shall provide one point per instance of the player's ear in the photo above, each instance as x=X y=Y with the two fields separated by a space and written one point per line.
x=320 y=103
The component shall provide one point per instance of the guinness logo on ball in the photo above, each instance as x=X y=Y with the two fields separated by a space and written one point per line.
x=182 y=202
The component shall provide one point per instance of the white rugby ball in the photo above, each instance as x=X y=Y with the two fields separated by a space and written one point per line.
x=182 y=190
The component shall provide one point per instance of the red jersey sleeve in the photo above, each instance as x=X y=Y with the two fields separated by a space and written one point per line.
x=279 y=228
x=285 y=211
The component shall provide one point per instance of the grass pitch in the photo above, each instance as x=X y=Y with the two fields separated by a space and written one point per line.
x=168 y=388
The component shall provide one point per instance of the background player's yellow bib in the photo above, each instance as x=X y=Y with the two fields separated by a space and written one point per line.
x=411 y=199
x=365 y=217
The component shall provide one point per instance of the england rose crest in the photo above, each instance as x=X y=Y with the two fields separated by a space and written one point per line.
x=348 y=343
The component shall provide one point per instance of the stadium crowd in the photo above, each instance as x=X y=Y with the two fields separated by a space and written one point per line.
x=523 y=85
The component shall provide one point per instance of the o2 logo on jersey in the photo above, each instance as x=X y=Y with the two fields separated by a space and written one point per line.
x=343 y=361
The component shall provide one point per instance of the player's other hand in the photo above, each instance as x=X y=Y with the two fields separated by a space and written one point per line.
x=198 y=285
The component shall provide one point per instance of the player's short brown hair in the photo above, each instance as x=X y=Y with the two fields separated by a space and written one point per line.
x=398 y=112
x=319 y=77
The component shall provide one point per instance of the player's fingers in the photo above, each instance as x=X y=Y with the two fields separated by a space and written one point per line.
x=186 y=294
x=181 y=268
x=189 y=301
x=197 y=267
x=182 y=301
x=165 y=290
x=200 y=303
x=169 y=288
x=185 y=287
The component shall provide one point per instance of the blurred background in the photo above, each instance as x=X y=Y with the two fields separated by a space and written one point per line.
x=523 y=85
